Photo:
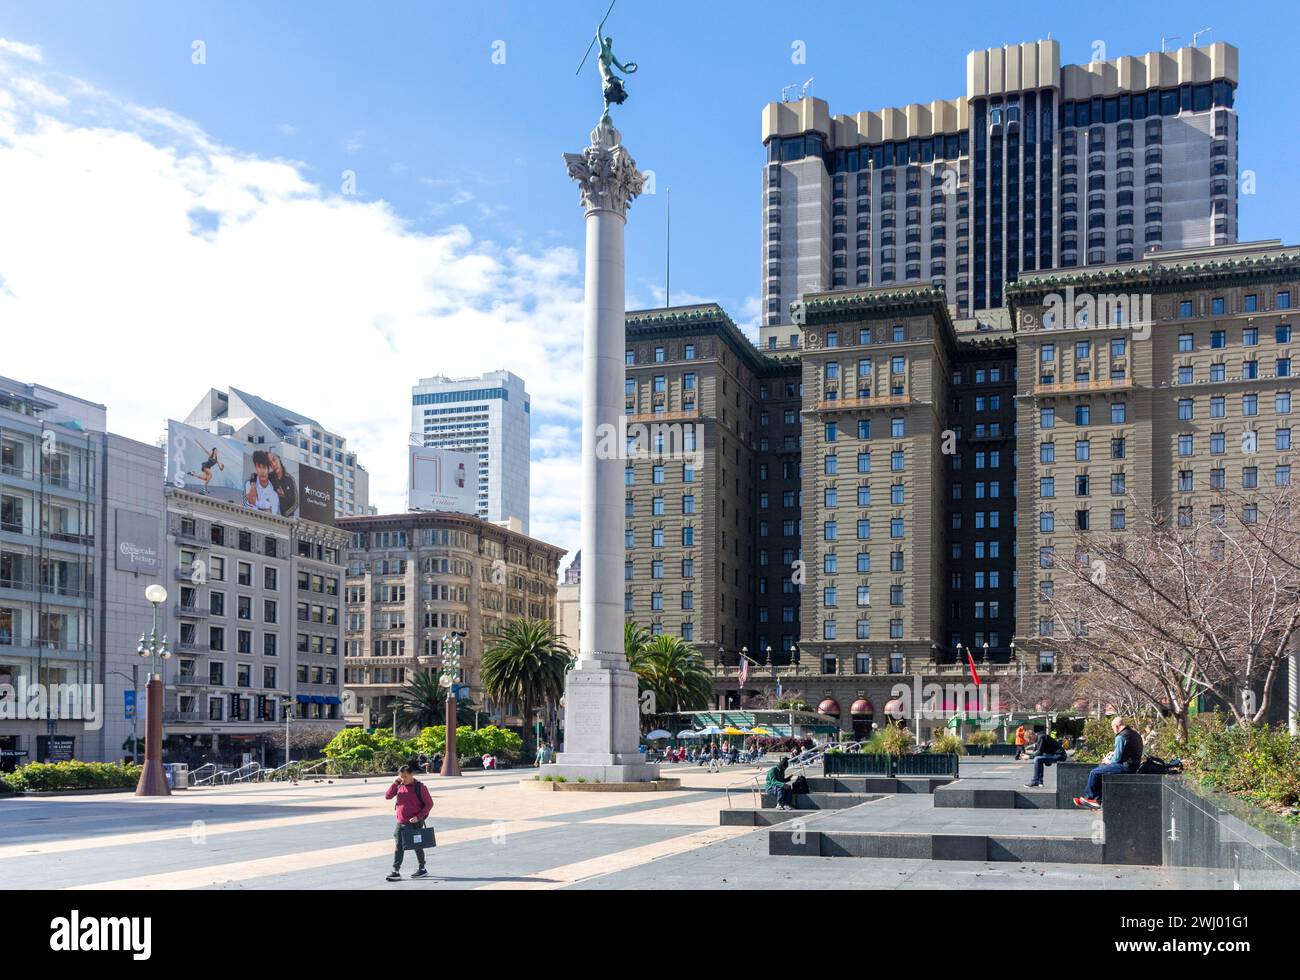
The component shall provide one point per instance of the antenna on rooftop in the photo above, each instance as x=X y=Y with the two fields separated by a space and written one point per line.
x=1171 y=37
x=668 y=250
x=1196 y=36
x=803 y=91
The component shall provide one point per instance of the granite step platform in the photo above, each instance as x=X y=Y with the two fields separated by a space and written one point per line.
x=962 y=794
x=876 y=784
x=759 y=818
x=824 y=801
x=937 y=847
x=904 y=826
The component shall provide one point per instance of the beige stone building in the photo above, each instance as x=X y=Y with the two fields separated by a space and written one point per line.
x=861 y=505
x=413 y=578
x=1171 y=380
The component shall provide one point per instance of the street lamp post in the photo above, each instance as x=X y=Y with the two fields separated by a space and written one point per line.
x=153 y=781
x=286 y=705
x=453 y=645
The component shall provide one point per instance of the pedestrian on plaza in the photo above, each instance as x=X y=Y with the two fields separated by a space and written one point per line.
x=1021 y=741
x=423 y=762
x=435 y=764
x=1126 y=757
x=412 y=807
x=1048 y=751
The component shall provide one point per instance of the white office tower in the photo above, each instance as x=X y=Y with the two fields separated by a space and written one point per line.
x=488 y=416
x=248 y=418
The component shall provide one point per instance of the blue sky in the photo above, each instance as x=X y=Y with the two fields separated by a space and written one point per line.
x=458 y=157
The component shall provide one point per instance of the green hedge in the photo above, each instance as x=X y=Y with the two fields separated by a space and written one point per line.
x=73 y=775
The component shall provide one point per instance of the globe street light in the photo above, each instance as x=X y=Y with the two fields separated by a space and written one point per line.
x=453 y=645
x=153 y=781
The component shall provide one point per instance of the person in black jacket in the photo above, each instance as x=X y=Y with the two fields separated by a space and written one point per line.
x=1047 y=751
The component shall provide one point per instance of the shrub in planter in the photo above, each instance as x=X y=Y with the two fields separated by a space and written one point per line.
x=946 y=743
x=894 y=740
x=5 y=786
x=49 y=776
x=984 y=739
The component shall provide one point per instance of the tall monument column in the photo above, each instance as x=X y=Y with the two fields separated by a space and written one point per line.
x=601 y=719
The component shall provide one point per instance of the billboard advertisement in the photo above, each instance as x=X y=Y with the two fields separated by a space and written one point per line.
x=260 y=477
x=204 y=463
x=316 y=494
x=439 y=479
x=270 y=482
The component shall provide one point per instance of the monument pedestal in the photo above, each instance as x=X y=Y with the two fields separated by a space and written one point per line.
x=602 y=725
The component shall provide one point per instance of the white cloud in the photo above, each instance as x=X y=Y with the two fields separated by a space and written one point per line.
x=143 y=263
x=28 y=52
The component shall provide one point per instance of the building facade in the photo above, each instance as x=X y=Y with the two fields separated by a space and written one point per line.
x=80 y=540
x=1038 y=166
x=1171 y=383
x=894 y=492
x=255 y=420
x=489 y=416
x=413 y=579
x=256 y=625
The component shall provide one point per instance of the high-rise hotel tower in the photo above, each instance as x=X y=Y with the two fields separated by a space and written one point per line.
x=1039 y=166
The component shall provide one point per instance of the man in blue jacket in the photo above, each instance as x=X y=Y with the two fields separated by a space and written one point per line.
x=1124 y=758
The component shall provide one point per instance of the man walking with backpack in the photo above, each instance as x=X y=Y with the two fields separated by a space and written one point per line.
x=414 y=802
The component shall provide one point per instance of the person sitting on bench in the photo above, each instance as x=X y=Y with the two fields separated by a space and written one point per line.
x=1125 y=758
x=1047 y=750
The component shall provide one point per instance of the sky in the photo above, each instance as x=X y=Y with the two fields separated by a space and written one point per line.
x=322 y=202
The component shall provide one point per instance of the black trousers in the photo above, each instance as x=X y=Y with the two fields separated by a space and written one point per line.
x=399 y=850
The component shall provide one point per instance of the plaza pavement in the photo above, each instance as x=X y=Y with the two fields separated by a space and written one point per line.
x=492 y=834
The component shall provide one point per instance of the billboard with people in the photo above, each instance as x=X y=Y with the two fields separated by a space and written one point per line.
x=260 y=477
x=440 y=479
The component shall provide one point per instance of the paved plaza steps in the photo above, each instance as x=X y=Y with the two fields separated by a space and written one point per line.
x=961 y=794
x=876 y=784
x=902 y=827
x=937 y=847
x=824 y=801
x=760 y=818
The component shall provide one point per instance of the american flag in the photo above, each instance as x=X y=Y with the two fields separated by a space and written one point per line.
x=744 y=670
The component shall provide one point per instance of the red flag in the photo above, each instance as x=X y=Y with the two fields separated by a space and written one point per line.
x=973 y=672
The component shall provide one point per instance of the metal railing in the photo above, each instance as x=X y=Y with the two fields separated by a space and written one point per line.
x=250 y=773
x=197 y=780
x=801 y=761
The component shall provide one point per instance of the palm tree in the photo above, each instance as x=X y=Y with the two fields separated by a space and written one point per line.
x=635 y=640
x=420 y=703
x=673 y=670
x=526 y=665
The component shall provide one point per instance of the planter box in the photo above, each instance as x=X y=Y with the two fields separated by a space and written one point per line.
x=856 y=764
x=927 y=765
x=853 y=764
